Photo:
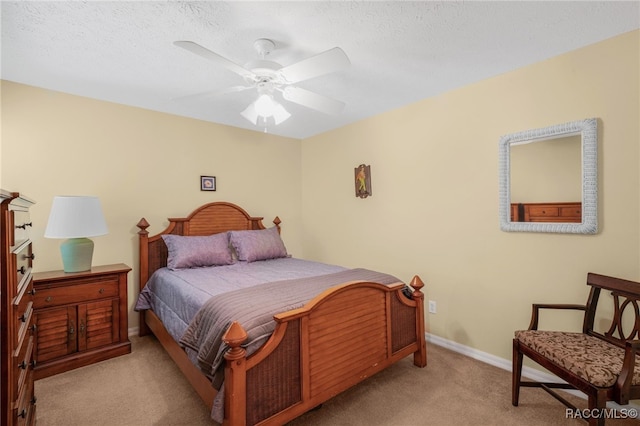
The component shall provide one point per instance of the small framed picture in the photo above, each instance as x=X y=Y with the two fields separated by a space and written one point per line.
x=207 y=183
x=363 y=181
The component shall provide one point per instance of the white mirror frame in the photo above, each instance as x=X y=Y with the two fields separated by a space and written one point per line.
x=588 y=129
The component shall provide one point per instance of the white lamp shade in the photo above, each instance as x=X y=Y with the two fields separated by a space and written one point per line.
x=75 y=217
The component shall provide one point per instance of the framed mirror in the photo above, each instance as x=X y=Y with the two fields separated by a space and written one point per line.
x=549 y=179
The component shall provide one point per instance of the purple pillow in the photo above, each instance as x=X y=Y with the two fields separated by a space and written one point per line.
x=189 y=252
x=258 y=244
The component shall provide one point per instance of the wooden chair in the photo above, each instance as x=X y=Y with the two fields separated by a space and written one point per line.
x=605 y=366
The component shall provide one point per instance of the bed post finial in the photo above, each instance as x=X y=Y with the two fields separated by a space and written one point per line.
x=234 y=337
x=277 y=222
x=143 y=225
x=417 y=284
x=420 y=356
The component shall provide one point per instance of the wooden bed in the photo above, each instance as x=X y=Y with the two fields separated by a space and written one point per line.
x=315 y=352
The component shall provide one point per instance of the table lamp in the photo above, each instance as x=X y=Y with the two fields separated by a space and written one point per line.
x=76 y=218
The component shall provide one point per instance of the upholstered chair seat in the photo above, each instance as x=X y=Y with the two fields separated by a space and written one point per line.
x=588 y=357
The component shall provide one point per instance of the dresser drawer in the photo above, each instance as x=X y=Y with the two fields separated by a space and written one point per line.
x=546 y=211
x=26 y=402
x=23 y=362
x=23 y=311
x=571 y=212
x=21 y=225
x=24 y=261
x=57 y=296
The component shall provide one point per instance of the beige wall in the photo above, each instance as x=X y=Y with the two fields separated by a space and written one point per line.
x=434 y=208
x=140 y=163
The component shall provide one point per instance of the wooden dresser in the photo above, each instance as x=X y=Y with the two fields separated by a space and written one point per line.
x=16 y=311
x=81 y=317
x=569 y=212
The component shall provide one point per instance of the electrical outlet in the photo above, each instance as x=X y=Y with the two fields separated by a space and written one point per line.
x=432 y=306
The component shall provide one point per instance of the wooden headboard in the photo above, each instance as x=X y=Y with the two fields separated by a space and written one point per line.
x=209 y=219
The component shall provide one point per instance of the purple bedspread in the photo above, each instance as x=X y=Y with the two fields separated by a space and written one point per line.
x=176 y=296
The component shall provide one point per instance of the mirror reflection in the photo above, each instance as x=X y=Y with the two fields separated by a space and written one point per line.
x=546 y=184
x=548 y=179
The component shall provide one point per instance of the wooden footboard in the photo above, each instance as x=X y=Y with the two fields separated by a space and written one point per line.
x=335 y=341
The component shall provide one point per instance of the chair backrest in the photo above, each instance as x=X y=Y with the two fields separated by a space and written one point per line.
x=626 y=298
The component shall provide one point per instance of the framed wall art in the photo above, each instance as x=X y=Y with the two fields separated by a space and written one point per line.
x=207 y=183
x=363 y=180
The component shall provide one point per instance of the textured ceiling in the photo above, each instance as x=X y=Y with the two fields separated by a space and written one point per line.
x=400 y=52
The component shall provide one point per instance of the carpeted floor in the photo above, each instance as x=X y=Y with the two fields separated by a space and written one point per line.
x=146 y=388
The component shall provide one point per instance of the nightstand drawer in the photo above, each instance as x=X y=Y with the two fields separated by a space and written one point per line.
x=57 y=296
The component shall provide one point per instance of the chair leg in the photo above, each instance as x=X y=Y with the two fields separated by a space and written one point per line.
x=516 y=373
x=597 y=405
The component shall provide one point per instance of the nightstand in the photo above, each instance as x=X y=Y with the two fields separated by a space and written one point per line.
x=81 y=318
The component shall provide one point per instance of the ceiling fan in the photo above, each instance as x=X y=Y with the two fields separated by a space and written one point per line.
x=269 y=78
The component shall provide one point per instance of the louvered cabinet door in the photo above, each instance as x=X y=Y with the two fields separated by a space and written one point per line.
x=56 y=331
x=98 y=324
x=63 y=331
x=81 y=318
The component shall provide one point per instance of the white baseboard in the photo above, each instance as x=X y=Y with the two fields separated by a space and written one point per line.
x=133 y=331
x=505 y=364
x=488 y=358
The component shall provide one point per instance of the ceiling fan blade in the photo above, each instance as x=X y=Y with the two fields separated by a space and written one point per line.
x=323 y=63
x=212 y=93
x=220 y=60
x=312 y=100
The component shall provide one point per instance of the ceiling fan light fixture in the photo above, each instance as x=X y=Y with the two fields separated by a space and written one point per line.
x=250 y=114
x=265 y=106
x=280 y=114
